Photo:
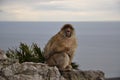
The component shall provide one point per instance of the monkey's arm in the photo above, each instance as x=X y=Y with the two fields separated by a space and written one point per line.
x=55 y=49
x=54 y=46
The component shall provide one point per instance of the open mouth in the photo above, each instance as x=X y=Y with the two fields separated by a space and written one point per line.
x=68 y=33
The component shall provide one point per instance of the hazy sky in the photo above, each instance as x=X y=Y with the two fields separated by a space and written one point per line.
x=59 y=10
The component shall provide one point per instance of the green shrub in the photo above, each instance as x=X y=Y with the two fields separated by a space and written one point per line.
x=26 y=53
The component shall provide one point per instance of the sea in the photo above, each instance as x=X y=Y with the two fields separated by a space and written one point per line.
x=98 y=42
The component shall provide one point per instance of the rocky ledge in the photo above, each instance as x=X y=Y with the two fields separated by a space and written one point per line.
x=13 y=70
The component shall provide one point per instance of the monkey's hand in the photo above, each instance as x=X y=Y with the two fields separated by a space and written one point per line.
x=67 y=49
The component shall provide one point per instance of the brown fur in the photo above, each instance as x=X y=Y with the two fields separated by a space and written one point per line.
x=60 y=49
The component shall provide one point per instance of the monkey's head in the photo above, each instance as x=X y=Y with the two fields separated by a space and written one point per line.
x=67 y=30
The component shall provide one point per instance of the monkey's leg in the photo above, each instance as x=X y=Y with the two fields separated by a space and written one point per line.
x=71 y=55
x=63 y=61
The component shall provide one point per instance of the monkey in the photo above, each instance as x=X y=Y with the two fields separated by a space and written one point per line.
x=60 y=49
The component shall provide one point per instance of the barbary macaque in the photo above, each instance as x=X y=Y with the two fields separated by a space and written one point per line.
x=60 y=49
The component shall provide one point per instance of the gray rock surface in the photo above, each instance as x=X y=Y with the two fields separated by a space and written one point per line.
x=13 y=70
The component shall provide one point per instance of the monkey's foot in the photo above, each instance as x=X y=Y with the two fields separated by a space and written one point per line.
x=69 y=67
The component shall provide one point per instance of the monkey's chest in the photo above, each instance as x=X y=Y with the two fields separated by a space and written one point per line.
x=67 y=43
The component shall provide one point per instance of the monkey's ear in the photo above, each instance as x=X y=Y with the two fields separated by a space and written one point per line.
x=67 y=26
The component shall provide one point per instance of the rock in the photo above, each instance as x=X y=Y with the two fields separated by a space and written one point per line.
x=83 y=75
x=13 y=70
x=2 y=55
x=28 y=71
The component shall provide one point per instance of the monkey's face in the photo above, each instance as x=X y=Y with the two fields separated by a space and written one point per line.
x=68 y=32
